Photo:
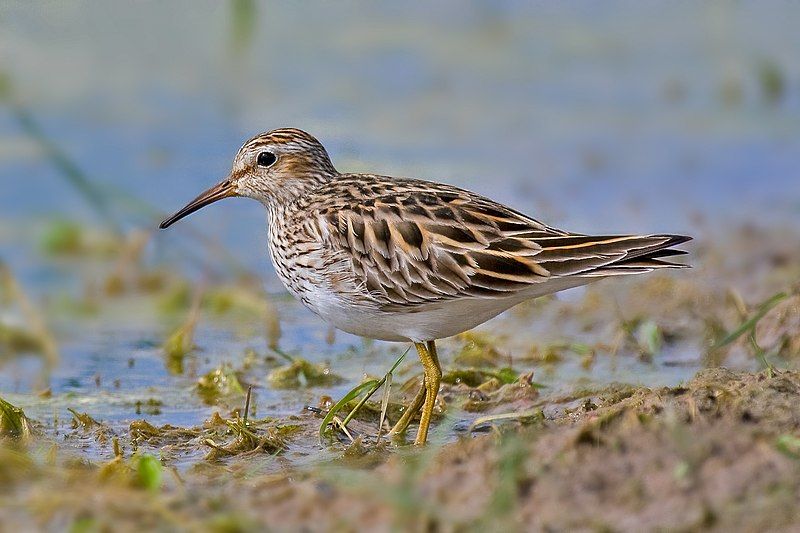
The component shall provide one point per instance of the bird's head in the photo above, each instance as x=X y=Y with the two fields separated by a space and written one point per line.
x=273 y=167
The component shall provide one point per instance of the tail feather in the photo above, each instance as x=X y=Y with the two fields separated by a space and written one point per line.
x=586 y=256
x=666 y=253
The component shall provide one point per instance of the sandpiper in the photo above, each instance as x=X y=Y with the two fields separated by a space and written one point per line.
x=408 y=260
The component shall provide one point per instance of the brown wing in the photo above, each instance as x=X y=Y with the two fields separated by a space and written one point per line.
x=414 y=242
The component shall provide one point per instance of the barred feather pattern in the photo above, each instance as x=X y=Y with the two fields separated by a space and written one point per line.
x=397 y=244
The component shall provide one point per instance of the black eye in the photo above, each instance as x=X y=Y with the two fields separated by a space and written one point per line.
x=265 y=159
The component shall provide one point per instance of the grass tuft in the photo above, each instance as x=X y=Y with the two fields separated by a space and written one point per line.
x=13 y=422
x=370 y=387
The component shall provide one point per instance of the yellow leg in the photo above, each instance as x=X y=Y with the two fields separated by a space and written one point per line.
x=433 y=377
x=410 y=411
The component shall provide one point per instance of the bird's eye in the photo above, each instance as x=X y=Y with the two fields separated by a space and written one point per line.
x=266 y=159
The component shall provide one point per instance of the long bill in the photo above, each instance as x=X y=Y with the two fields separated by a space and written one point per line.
x=224 y=189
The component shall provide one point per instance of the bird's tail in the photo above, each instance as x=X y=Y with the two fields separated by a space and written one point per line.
x=611 y=255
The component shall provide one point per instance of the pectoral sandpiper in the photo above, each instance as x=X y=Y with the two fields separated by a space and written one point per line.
x=401 y=259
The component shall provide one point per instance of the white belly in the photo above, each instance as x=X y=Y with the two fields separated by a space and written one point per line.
x=340 y=301
x=424 y=322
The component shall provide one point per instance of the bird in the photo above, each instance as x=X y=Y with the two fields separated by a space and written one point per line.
x=409 y=260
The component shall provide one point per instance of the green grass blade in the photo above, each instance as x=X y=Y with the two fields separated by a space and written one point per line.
x=65 y=166
x=399 y=360
x=384 y=403
x=338 y=406
x=372 y=384
x=369 y=394
x=750 y=323
x=244 y=16
x=362 y=401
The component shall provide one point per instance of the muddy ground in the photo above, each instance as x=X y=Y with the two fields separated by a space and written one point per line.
x=721 y=452
x=532 y=432
x=666 y=401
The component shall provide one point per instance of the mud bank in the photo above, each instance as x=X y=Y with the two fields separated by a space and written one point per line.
x=721 y=452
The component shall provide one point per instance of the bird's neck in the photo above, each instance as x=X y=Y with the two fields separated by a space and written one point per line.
x=293 y=196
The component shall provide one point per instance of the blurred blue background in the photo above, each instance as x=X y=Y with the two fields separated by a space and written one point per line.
x=598 y=117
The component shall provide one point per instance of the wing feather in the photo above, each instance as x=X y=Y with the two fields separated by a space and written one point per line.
x=417 y=242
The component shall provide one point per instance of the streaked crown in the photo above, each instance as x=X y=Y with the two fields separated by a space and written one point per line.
x=280 y=164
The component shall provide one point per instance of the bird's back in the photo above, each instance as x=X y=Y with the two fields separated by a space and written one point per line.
x=415 y=243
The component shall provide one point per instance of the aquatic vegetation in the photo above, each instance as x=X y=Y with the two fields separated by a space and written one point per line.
x=478 y=349
x=644 y=335
x=15 y=340
x=142 y=431
x=771 y=80
x=517 y=474
x=751 y=322
x=269 y=439
x=649 y=337
x=779 y=330
x=177 y=346
x=302 y=373
x=89 y=426
x=13 y=422
x=149 y=472
x=140 y=471
x=494 y=393
x=749 y=327
x=63 y=238
x=83 y=420
x=175 y=298
x=245 y=300
x=127 y=271
x=220 y=385
x=368 y=388
x=221 y=437
x=150 y=406
x=475 y=377
x=35 y=337
x=252 y=437
x=181 y=341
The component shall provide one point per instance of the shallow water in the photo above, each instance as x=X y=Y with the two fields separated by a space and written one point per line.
x=657 y=121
